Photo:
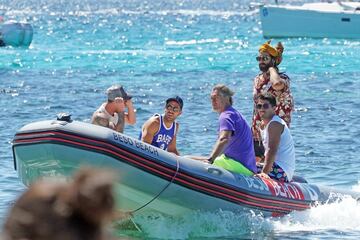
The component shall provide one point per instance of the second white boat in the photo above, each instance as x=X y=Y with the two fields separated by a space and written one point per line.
x=318 y=20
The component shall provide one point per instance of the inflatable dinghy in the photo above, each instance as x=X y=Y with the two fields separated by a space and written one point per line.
x=149 y=178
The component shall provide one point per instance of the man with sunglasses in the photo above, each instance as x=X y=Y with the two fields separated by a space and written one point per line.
x=279 y=161
x=234 y=149
x=161 y=130
x=112 y=114
x=270 y=81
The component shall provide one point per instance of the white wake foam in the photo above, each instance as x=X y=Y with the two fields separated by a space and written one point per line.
x=343 y=215
x=202 y=225
x=340 y=216
x=356 y=188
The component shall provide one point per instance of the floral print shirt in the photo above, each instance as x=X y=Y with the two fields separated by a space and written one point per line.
x=284 y=100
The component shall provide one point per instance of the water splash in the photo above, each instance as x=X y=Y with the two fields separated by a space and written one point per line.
x=203 y=225
x=342 y=215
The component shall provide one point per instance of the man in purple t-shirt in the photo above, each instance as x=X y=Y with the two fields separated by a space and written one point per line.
x=234 y=149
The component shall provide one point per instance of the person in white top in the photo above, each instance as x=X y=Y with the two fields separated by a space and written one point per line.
x=112 y=113
x=279 y=161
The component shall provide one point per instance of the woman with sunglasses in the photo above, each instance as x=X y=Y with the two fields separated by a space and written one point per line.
x=270 y=81
x=279 y=161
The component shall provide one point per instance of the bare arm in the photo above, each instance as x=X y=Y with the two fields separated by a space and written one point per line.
x=223 y=139
x=277 y=82
x=219 y=146
x=149 y=129
x=119 y=127
x=172 y=145
x=120 y=110
x=275 y=129
x=130 y=116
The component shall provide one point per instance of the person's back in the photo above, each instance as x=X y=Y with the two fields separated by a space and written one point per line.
x=240 y=146
x=234 y=149
x=285 y=155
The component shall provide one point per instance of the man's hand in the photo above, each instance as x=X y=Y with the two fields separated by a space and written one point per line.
x=272 y=69
x=199 y=158
x=129 y=103
x=275 y=79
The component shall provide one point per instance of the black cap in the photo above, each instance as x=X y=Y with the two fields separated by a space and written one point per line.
x=176 y=99
x=117 y=91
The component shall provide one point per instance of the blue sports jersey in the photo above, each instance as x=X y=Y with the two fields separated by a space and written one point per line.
x=164 y=135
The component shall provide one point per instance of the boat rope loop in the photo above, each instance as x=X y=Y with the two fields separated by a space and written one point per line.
x=167 y=185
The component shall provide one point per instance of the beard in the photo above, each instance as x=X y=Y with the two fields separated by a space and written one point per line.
x=265 y=67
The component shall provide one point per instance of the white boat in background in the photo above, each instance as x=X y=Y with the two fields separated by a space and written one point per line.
x=15 y=34
x=318 y=20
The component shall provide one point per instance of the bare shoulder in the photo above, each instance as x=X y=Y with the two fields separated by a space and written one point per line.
x=275 y=127
x=152 y=124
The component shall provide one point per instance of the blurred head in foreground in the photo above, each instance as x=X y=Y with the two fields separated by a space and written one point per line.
x=74 y=210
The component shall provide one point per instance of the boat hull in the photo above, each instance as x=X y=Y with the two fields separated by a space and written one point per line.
x=16 y=34
x=151 y=179
x=280 y=21
x=129 y=194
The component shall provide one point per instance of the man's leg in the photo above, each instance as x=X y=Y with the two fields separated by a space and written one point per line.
x=232 y=165
x=277 y=173
x=259 y=151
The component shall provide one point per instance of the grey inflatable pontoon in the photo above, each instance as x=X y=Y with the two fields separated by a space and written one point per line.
x=149 y=176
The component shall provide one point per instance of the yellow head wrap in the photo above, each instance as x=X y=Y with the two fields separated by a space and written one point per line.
x=274 y=52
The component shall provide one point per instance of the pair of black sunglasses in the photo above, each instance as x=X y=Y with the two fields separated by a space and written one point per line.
x=263 y=58
x=264 y=106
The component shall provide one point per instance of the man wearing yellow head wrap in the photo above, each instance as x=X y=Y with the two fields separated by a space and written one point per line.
x=271 y=81
x=276 y=53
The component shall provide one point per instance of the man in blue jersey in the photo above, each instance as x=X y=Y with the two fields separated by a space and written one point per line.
x=234 y=149
x=160 y=130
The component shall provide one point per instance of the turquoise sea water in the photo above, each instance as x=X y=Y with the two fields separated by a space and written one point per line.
x=161 y=48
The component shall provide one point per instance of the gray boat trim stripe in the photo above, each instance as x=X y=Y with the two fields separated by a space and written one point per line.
x=244 y=196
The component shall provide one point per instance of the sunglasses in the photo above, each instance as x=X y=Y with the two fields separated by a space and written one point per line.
x=172 y=108
x=264 y=106
x=262 y=58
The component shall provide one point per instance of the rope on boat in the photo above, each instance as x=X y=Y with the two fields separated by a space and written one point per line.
x=157 y=195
